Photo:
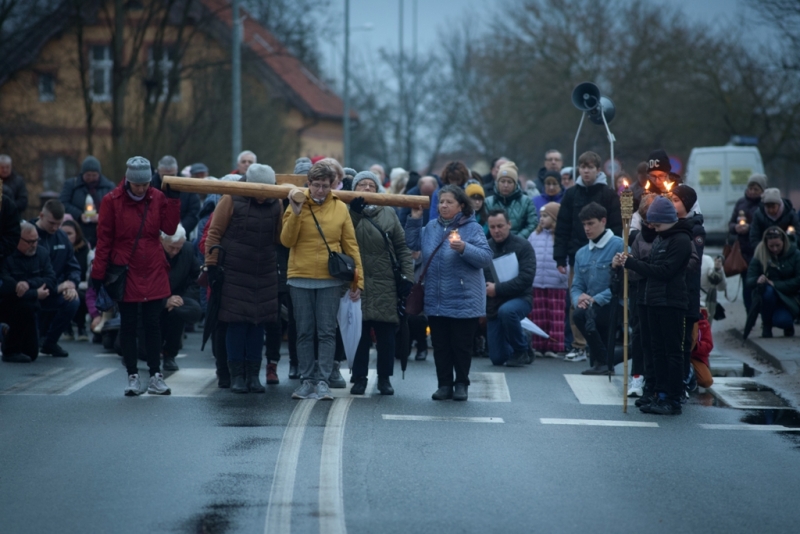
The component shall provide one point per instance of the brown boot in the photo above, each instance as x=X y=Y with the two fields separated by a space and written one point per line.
x=272 y=373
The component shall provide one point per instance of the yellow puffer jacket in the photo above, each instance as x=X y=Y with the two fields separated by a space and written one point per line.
x=308 y=257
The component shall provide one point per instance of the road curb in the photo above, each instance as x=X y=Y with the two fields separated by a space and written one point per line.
x=762 y=352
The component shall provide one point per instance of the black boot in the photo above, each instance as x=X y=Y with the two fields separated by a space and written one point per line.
x=359 y=386
x=253 y=383
x=294 y=373
x=766 y=329
x=385 y=386
x=443 y=393
x=336 y=380
x=238 y=385
x=460 y=394
x=223 y=375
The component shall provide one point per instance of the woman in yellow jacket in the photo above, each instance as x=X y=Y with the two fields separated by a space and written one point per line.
x=315 y=293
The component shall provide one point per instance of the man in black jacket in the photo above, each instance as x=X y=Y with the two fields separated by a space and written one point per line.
x=182 y=306
x=13 y=184
x=60 y=307
x=9 y=228
x=667 y=303
x=590 y=187
x=89 y=184
x=190 y=202
x=508 y=301
x=27 y=279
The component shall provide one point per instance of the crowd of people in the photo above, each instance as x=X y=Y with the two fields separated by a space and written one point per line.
x=491 y=255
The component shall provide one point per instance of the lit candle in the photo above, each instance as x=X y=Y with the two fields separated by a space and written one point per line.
x=89 y=210
x=742 y=220
x=790 y=230
x=455 y=237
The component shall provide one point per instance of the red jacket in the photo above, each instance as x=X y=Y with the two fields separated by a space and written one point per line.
x=705 y=341
x=148 y=272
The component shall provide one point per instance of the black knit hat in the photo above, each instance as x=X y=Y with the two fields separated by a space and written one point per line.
x=658 y=160
x=687 y=195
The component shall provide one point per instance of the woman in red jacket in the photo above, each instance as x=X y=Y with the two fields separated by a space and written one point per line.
x=136 y=209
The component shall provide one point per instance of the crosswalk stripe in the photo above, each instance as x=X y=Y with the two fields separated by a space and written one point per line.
x=488 y=387
x=191 y=382
x=371 y=391
x=762 y=428
x=597 y=422
x=596 y=390
x=16 y=389
x=437 y=418
x=58 y=381
x=97 y=375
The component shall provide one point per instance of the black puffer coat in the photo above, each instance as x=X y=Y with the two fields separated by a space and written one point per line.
x=73 y=196
x=761 y=222
x=640 y=249
x=519 y=287
x=749 y=206
x=183 y=272
x=784 y=273
x=665 y=268
x=693 y=270
x=250 y=287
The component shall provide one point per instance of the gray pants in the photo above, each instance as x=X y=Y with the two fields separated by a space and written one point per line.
x=315 y=312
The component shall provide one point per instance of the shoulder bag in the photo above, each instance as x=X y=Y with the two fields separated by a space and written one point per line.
x=340 y=265
x=415 y=302
x=733 y=263
x=117 y=275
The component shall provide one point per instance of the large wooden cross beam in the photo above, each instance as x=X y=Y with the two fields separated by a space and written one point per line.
x=285 y=183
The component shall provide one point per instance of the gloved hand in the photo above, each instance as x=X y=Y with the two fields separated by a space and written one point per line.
x=172 y=193
x=96 y=284
x=214 y=275
x=358 y=204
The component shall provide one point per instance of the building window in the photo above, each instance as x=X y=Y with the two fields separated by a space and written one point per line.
x=161 y=71
x=100 y=68
x=56 y=169
x=47 y=88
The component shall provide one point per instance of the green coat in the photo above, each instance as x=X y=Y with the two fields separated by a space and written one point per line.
x=521 y=211
x=379 y=298
x=784 y=274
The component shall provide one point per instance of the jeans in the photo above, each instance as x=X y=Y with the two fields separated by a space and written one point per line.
x=57 y=314
x=173 y=324
x=243 y=342
x=504 y=332
x=151 y=323
x=667 y=336
x=773 y=311
x=568 y=337
x=315 y=313
x=597 y=337
x=385 y=336
x=452 y=348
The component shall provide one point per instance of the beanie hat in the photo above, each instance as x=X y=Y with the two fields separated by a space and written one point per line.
x=658 y=160
x=367 y=175
x=231 y=178
x=552 y=174
x=260 y=174
x=758 y=179
x=772 y=196
x=662 y=211
x=566 y=170
x=138 y=170
x=197 y=168
x=302 y=166
x=350 y=172
x=90 y=164
x=509 y=170
x=687 y=196
x=475 y=189
x=551 y=209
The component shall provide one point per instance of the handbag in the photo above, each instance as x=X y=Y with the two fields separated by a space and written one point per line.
x=340 y=265
x=734 y=261
x=117 y=275
x=402 y=284
x=415 y=302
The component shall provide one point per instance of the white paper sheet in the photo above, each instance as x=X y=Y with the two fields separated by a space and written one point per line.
x=506 y=268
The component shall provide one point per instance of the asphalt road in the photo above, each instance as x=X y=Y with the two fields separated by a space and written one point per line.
x=525 y=454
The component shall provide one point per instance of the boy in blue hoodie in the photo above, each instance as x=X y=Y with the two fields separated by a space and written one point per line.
x=591 y=286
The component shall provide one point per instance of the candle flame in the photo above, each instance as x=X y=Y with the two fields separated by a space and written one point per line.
x=625 y=183
x=455 y=236
x=668 y=185
x=647 y=186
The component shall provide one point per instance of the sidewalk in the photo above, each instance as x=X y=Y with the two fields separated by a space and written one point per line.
x=781 y=352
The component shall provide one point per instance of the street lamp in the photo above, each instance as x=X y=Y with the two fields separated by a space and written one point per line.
x=347 y=30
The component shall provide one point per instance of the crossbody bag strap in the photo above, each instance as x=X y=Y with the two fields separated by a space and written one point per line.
x=139 y=234
x=392 y=257
x=320 y=230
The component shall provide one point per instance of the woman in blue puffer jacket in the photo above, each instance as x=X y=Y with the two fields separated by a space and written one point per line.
x=454 y=247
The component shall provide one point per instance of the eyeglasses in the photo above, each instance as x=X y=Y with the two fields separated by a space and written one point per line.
x=552 y=159
x=317 y=186
x=30 y=241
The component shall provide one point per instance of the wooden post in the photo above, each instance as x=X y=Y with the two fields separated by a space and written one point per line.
x=245 y=189
x=626 y=207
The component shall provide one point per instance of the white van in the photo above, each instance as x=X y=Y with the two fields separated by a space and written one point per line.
x=719 y=175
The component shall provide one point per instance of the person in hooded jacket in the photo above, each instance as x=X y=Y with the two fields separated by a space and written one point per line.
x=381 y=241
x=135 y=208
x=667 y=303
x=775 y=273
x=773 y=211
x=247 y=229
x=684 y=198
x=89 y=183
x=455 y=247
x=591 y=186
x=741 y=219
x=508 y=196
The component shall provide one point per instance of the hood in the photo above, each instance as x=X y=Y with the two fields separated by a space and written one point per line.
x=648 y=234
x=683 y=225
x=601 y=179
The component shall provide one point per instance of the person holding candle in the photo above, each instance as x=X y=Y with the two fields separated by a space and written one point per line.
x=82 y=250
x=455 y=250
x=773 y=211
x=667 y=302
x=775 y=273
x=83 y=195
x=742 y=218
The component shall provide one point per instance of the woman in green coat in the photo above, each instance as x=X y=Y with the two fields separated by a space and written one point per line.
x=509 y=197
x=774 y=271
x=380 y=240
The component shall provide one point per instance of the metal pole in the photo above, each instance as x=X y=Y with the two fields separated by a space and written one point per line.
x=236 y=84
x=414 y=5
x=400 y=129
x=575 y=148
x=346 y=82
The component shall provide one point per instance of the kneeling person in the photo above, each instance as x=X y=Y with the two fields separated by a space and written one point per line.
x=508 y=301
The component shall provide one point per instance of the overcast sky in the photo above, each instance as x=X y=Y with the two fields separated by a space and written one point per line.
x=433 y=15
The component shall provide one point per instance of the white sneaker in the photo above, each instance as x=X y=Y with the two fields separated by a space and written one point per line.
x=576 y=355
x=550 y=354
x=134 y=386
x=157 y=385
x=636 y=386
x=323 y=392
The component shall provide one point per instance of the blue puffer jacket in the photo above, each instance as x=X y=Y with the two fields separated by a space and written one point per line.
x=547 y=275
x=454 y=284
x=593 y=269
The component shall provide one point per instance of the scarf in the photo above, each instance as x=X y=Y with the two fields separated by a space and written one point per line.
x=130 y=193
